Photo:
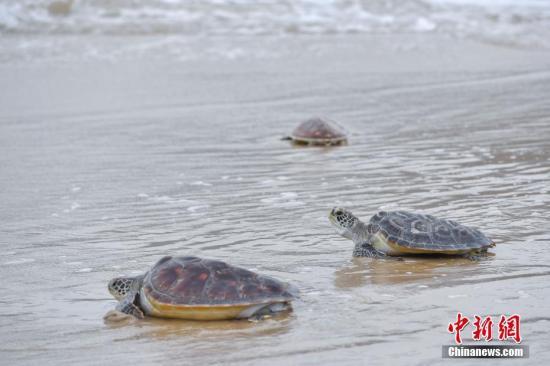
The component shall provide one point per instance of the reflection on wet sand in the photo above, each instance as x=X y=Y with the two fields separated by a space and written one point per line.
x=158 y=328
x=361 y=271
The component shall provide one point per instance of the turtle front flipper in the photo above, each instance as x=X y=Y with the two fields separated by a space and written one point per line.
x=128 y=306
x=367 y=250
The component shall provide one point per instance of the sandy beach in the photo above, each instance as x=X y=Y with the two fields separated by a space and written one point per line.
x=117 y=150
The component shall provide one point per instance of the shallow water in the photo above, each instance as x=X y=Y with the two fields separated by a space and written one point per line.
x=106 y=167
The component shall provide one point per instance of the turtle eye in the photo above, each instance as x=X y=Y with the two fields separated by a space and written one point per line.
x=338 y=213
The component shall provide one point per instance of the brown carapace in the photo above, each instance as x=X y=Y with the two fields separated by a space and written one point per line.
x=318 y=131
x=197 y=281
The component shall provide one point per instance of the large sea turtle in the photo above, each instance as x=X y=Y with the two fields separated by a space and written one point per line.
x=404 y=233
x=317 y=131
x=200 y=289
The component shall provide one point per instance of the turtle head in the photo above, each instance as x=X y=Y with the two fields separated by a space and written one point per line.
x=119 y=287
x=344 y=221
x=348 y=225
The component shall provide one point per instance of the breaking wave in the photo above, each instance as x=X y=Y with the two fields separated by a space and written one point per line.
x=527 y=24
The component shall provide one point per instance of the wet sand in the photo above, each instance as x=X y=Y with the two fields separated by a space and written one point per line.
x=109 y=164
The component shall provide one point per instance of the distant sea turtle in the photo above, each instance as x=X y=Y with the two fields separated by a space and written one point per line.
x=317 y=131
x=403 y=233
x=200 y=289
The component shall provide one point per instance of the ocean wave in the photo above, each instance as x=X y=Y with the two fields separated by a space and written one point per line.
x=498 y=20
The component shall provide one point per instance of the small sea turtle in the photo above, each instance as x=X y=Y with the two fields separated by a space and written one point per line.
x=200 y=289
x=317 y=131
x=403 y=233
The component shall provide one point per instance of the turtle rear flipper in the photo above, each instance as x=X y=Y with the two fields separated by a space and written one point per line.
x=263 y=312
x=477 y=255
x=128 y=306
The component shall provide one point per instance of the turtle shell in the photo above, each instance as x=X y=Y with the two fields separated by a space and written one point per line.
x=406 y=232
x=196 y=288
x=318 y=131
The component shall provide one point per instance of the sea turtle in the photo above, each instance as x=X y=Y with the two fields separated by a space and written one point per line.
x=200 y=289
x=404 y=233
x=317 y=131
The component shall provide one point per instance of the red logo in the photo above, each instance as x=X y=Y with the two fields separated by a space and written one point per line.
x=484 y=329
x=457 y=327
x=508 y=327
